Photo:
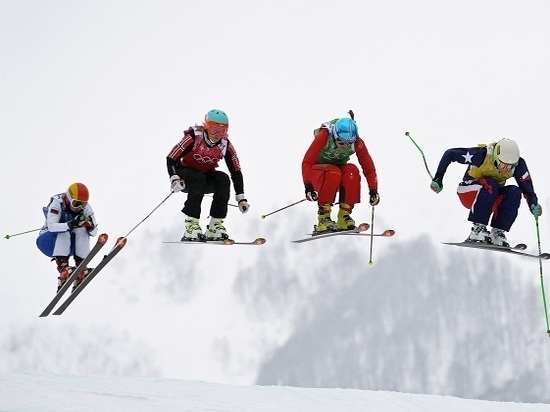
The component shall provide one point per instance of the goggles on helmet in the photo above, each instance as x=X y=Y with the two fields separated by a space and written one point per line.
x=216 y=129
x=504 y=167
x=344 y=142
x=75 y=204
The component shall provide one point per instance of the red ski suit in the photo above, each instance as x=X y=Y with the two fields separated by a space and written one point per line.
x=327 y=178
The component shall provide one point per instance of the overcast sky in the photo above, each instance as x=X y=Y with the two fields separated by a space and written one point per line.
x=99 y=92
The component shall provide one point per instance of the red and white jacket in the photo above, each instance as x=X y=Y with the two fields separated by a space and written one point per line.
x=193 y=151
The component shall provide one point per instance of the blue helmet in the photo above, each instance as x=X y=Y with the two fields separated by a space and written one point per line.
x=216 y=116
x=345 y=130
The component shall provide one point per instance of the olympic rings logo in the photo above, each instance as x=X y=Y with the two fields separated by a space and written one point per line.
x=204 y=159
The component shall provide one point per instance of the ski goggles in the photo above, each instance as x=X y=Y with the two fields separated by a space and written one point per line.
x=504 y=167
x=344 y=142
x=216 y=129
x=77 y=204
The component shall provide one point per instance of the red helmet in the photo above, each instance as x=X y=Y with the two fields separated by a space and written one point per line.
x=77 y=196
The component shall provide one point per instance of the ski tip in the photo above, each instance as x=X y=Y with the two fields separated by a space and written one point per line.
x=544 y=256
x=103 y=238
x=121 y=241
x=259 y=241
x=388 y=232
x=363 y=226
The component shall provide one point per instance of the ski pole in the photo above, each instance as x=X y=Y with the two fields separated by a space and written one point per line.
x=371 y=234
x=283 y=208
x=229 y=204
x=22 y=233
x=542 y=278
x=421 y=152
x=143 y=220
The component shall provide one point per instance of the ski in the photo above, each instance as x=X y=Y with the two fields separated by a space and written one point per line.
x=258 y=241
x=120 y=243
x=361 y=228
x=101 y=240
x=515 y=250
x=385 y=233
x=224 y=242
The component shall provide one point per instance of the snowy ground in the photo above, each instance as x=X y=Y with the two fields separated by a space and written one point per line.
x=43 y=392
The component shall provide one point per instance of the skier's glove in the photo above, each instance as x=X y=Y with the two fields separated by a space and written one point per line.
x=536 y=210
x=82 y=221
x=311 y=194
x=73 y=224
x=242 y=202
x=177 y=184
x=437 y=183
x=374 y=197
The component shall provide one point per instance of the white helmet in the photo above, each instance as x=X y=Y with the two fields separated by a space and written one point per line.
x=506 y=151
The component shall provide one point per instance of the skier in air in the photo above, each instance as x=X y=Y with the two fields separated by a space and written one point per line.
x=483 y=189
x=326 y=171
x=192 y=166
x=69 y=224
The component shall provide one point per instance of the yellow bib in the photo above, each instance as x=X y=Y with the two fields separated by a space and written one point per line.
x=488 y=168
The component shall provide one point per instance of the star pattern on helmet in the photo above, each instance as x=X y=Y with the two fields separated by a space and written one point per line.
x=467 y=157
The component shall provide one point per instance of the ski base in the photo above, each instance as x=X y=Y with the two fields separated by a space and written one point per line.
x=224 y=242
x=120 y=243
x=515 y=250
x=101 y=240
x=385 y=233
x=313 y=236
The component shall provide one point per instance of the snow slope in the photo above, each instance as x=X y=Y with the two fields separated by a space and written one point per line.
x=44 y=392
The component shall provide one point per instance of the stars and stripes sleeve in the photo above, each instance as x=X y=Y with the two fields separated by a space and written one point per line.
x=470 y=156
x=523 y=179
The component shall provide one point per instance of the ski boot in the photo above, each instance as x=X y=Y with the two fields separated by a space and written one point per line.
x=498 y=237
x=81 y=275
x=64 y=271
x=479 y=234
x=345 y=221
x=215 y=230
x=193 y=230
x=324 y=222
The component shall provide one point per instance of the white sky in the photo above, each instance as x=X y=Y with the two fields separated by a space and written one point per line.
x=99 y=92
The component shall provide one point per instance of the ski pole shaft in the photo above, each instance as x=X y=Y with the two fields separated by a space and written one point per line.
x=283 y=208
x=143 y=220
x=372 y=233
x=22 y=233
x=542 y=278
x=421 y=152
x=229 y=204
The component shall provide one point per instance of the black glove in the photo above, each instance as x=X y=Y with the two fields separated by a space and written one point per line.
x=374 y=197
x=311 y=194
x=74 y=223
x=82 y=221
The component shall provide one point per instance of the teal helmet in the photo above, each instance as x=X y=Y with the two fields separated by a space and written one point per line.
x=216 y=116
x=345 y=130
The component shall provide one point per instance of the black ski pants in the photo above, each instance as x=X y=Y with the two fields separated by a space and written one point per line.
x=197 y=184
